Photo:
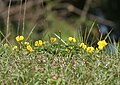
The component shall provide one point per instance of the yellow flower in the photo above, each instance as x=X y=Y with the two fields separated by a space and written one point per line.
x=67 y=50
x=53 y=39
x=97 y=50
x=101 y=44
x=5 y=45
x=74 y=40
x=29 y=48
x=100 y=47
x=39 y=43
x=36 y=43
x=90 y=49
x=71 y=39
x=19 y=38
x=26 y=43
x=82 y=45
x=15 y=47
x=71 y=47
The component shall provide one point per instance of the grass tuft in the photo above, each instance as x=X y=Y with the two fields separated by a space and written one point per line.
x=50 y=63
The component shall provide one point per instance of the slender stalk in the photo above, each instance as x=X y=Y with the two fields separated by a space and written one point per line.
x=60 y=39
x=20 y=12
x=31 y=32
x=8 y=19
x=5 y=38
x=24 y=17
x=90 y=31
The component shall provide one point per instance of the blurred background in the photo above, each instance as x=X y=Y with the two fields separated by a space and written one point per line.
x=66 y=18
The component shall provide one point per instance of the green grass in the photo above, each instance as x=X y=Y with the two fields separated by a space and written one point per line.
x=51 y=64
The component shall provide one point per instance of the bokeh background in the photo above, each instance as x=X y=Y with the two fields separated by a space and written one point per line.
x=66 y=18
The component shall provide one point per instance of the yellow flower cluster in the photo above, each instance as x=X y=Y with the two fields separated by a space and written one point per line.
x=15 y=47
x=19 y=38
x=82 y=45
x=26 y=43
x=101 y=44
x=39 y=43
x=71 y=39
x=29 y=48
x=90 y=49
x=53 y=39
x=67 y=50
